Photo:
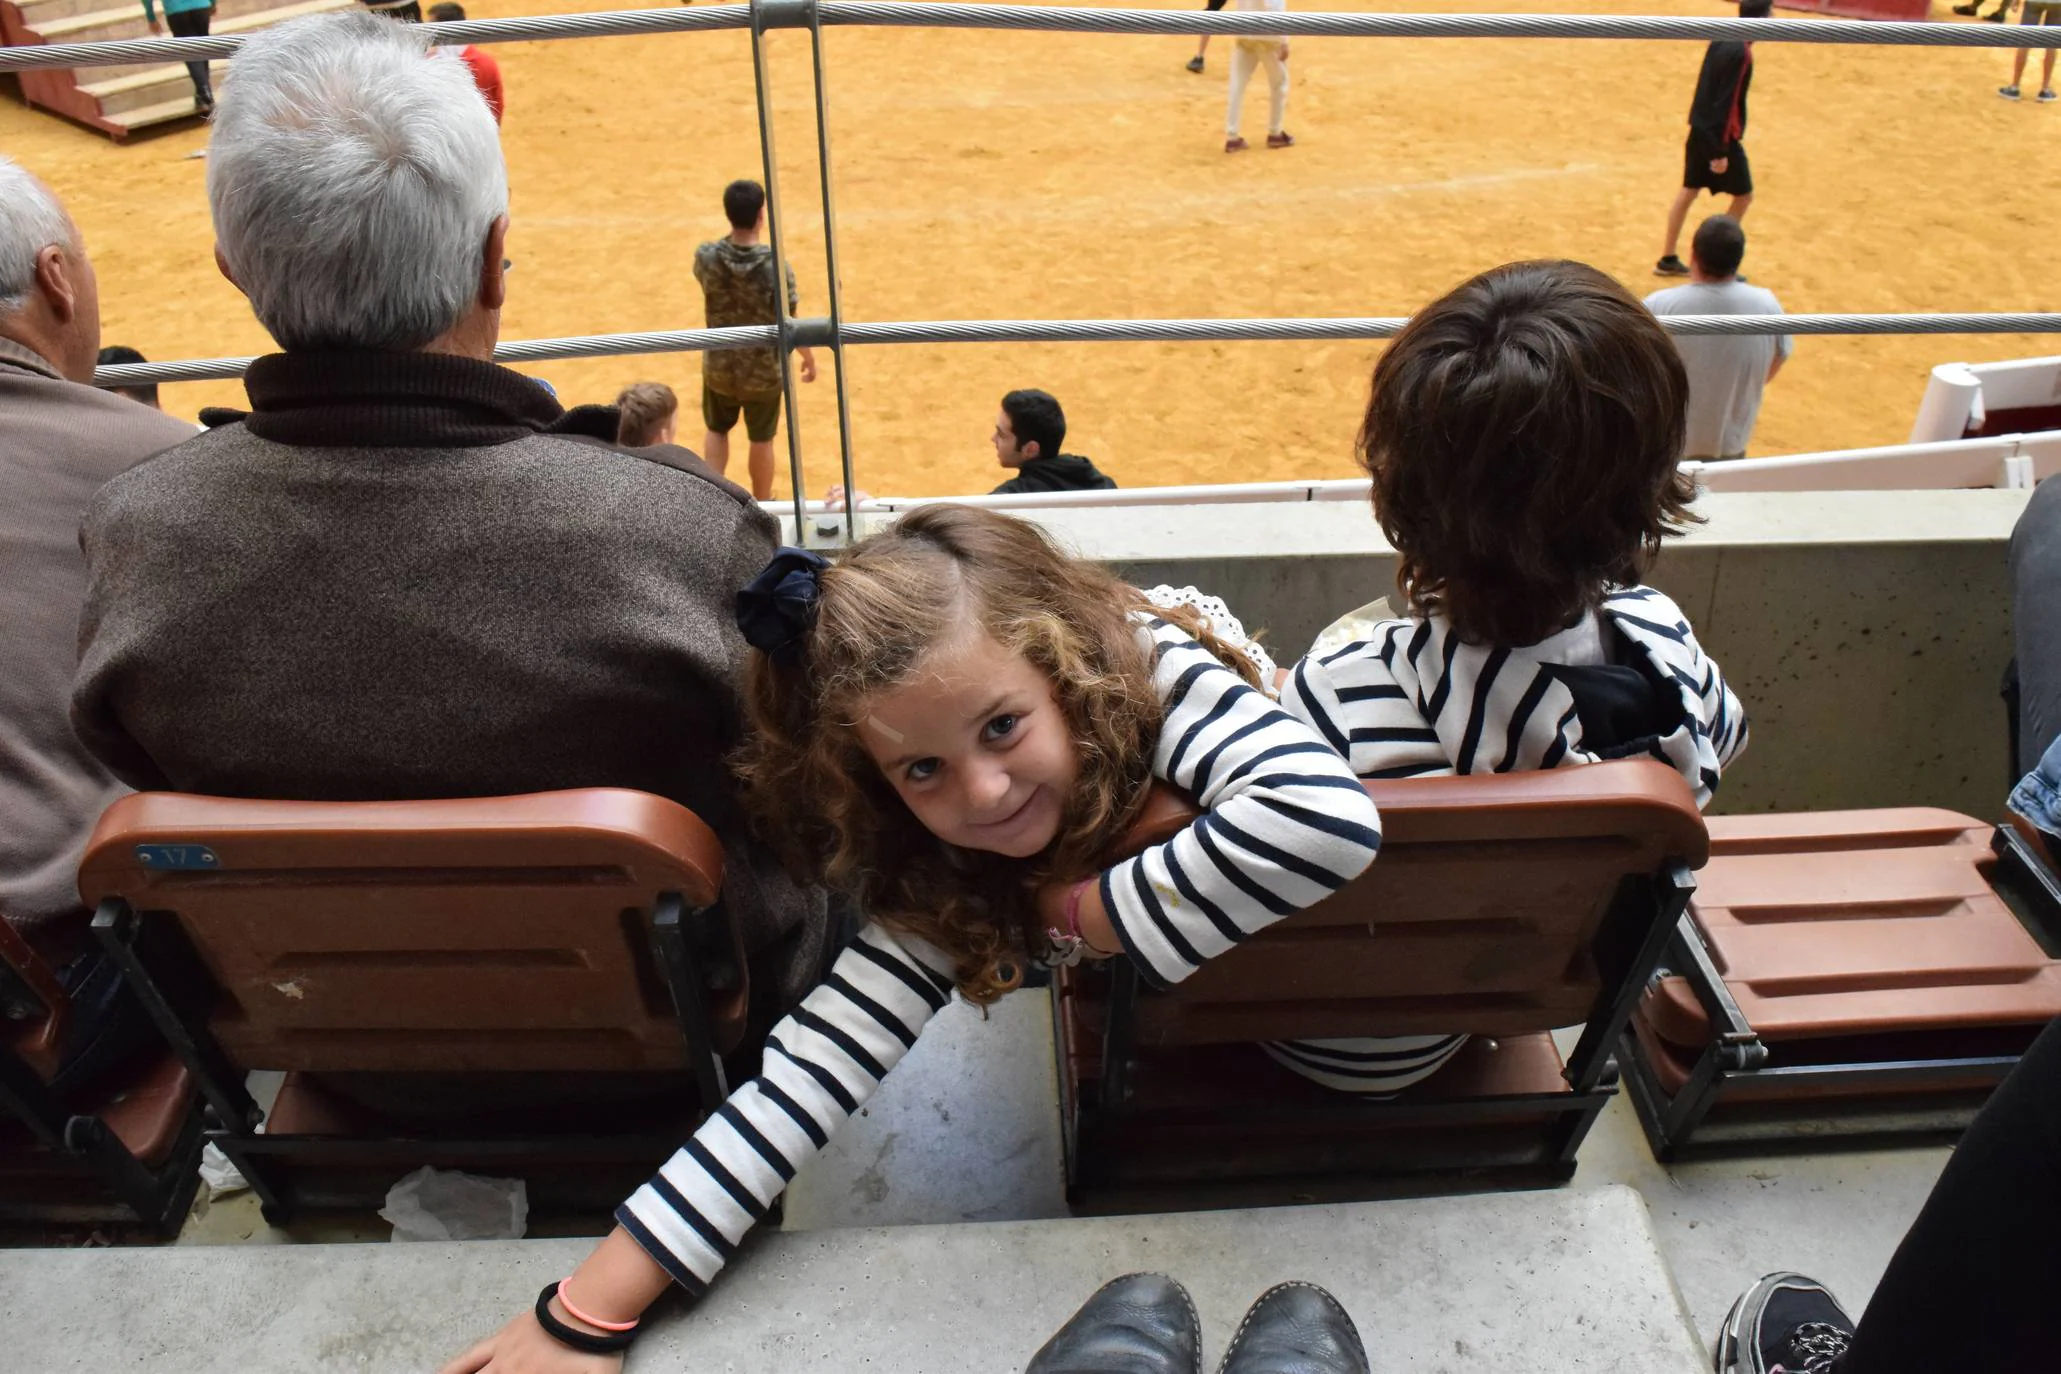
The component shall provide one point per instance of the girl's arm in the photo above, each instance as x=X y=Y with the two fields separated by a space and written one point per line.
x=821 y=1062
x=1286 y=823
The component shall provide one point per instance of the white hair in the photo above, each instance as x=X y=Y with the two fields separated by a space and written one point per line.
x=353 y=177
x=30 y=221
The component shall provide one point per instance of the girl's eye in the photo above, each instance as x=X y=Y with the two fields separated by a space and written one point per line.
x=923 y=770
x=1001 y=727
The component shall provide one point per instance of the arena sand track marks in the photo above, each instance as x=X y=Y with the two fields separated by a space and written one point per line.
x=1017 y=175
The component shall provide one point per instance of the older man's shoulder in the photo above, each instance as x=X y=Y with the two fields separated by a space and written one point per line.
x=667 y=464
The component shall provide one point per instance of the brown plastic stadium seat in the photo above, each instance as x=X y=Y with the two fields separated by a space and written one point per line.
x=127 y=1150
x=539 y=985
x=1501 y=905
x=1837 y=974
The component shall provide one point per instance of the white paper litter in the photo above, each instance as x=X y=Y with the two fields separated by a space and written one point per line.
x=441 y=1204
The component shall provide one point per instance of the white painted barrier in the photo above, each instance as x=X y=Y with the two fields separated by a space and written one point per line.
x=1960 y=396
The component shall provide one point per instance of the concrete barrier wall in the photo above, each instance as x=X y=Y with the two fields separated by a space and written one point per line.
x=1867 y=632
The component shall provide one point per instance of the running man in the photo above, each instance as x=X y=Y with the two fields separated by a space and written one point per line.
x=1247 y=53
x=1714 y=158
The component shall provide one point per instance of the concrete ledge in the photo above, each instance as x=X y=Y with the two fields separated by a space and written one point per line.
x=1520 y=1282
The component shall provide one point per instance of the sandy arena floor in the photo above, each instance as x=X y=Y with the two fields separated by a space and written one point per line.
x=1016 y=175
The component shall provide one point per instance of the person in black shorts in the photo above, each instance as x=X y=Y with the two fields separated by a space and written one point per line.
x=1195 y=62
x=1714 y=159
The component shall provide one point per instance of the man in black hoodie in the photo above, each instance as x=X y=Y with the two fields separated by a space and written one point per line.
x=1715 y=159
x=1028 y=433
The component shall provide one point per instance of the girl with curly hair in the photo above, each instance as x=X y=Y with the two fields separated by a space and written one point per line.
x=954 y=721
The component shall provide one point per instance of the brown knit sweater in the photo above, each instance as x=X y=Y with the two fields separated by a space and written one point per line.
x=414 y=576
x=58 y=442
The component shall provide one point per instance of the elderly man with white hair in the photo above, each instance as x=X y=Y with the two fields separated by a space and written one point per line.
x=59 y=441
x=405 y=572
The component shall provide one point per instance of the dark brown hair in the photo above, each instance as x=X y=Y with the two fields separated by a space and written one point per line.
x=817 y=795
x=1525 y=436
x=645 y=407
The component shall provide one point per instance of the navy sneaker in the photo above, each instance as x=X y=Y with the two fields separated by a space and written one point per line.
x=1670 y=266
x=1785 y=1324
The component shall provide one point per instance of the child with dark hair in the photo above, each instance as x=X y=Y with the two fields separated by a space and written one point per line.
x=1714 y=158
x=950 y=723
x=1523 y=436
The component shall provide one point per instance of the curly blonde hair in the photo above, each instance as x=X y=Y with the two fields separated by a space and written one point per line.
x=816 y=794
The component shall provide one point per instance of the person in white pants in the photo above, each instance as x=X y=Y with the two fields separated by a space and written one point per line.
x=1251 y=51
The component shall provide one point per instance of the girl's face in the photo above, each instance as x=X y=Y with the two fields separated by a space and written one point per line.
x=977 y=747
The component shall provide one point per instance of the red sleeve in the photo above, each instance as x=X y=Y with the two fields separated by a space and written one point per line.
x=486 y=74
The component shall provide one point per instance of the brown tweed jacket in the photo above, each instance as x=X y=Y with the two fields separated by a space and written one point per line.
x=58 y=442
x=414 y=576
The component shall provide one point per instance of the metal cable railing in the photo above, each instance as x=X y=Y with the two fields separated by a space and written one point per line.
x=1111 y=331
x=835 y=332
x=902 y=14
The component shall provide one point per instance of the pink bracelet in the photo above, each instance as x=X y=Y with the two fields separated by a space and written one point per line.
x=565 y=1301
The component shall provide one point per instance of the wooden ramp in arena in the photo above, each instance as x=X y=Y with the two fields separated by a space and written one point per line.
x=122 y=99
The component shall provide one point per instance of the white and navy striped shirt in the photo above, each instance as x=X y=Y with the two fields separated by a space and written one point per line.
x=1414 y=700
x=1285 y=824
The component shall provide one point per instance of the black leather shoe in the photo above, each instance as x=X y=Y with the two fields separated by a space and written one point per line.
x=1295 y=1328
x=1138 y=1324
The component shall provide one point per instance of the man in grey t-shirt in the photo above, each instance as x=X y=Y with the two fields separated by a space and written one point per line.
x=1726 y=371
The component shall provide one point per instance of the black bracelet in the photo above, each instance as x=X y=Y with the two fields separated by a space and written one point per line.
x=584 y=1342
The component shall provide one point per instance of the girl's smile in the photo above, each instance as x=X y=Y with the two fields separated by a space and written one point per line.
x=977 y=748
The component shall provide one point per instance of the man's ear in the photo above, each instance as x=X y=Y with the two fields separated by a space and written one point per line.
x=493 y=272
x=54 y=283
x=1030 y=450
x=222 y=266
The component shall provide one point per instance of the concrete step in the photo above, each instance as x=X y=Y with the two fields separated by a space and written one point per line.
x=1513 y=1282
x=107 y=24
x=164 y=111
x=153 y=85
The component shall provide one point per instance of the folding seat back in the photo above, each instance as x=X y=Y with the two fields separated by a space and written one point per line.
x=515 y=970
x=1485 y=913
x=1844 y=974
x=1502 y=906
x=496 y=933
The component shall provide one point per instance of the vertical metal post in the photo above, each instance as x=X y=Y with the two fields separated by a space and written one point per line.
x=844 y=413
x=761 y=77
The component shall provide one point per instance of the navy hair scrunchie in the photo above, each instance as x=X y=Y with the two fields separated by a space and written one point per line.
x=776 y=608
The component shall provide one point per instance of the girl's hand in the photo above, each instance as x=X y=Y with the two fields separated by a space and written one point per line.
x=522 y=1347
x=615 y=1283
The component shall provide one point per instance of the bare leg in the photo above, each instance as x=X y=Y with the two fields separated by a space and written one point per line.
x=715 y=451
x=2046 y=69
x=760 y=461
x=1676 y=213
x=1740 y=205
x=2017 y=66
x=1202 y=48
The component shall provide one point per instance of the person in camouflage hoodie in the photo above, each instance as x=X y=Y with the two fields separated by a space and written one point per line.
x=736 y=275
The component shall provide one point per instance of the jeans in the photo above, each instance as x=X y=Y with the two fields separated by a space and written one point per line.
x=1971 y=1286
x=194 y=24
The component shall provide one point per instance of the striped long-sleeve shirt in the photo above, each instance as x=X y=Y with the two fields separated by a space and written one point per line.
x=1285 y=825
x=1414 y=700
